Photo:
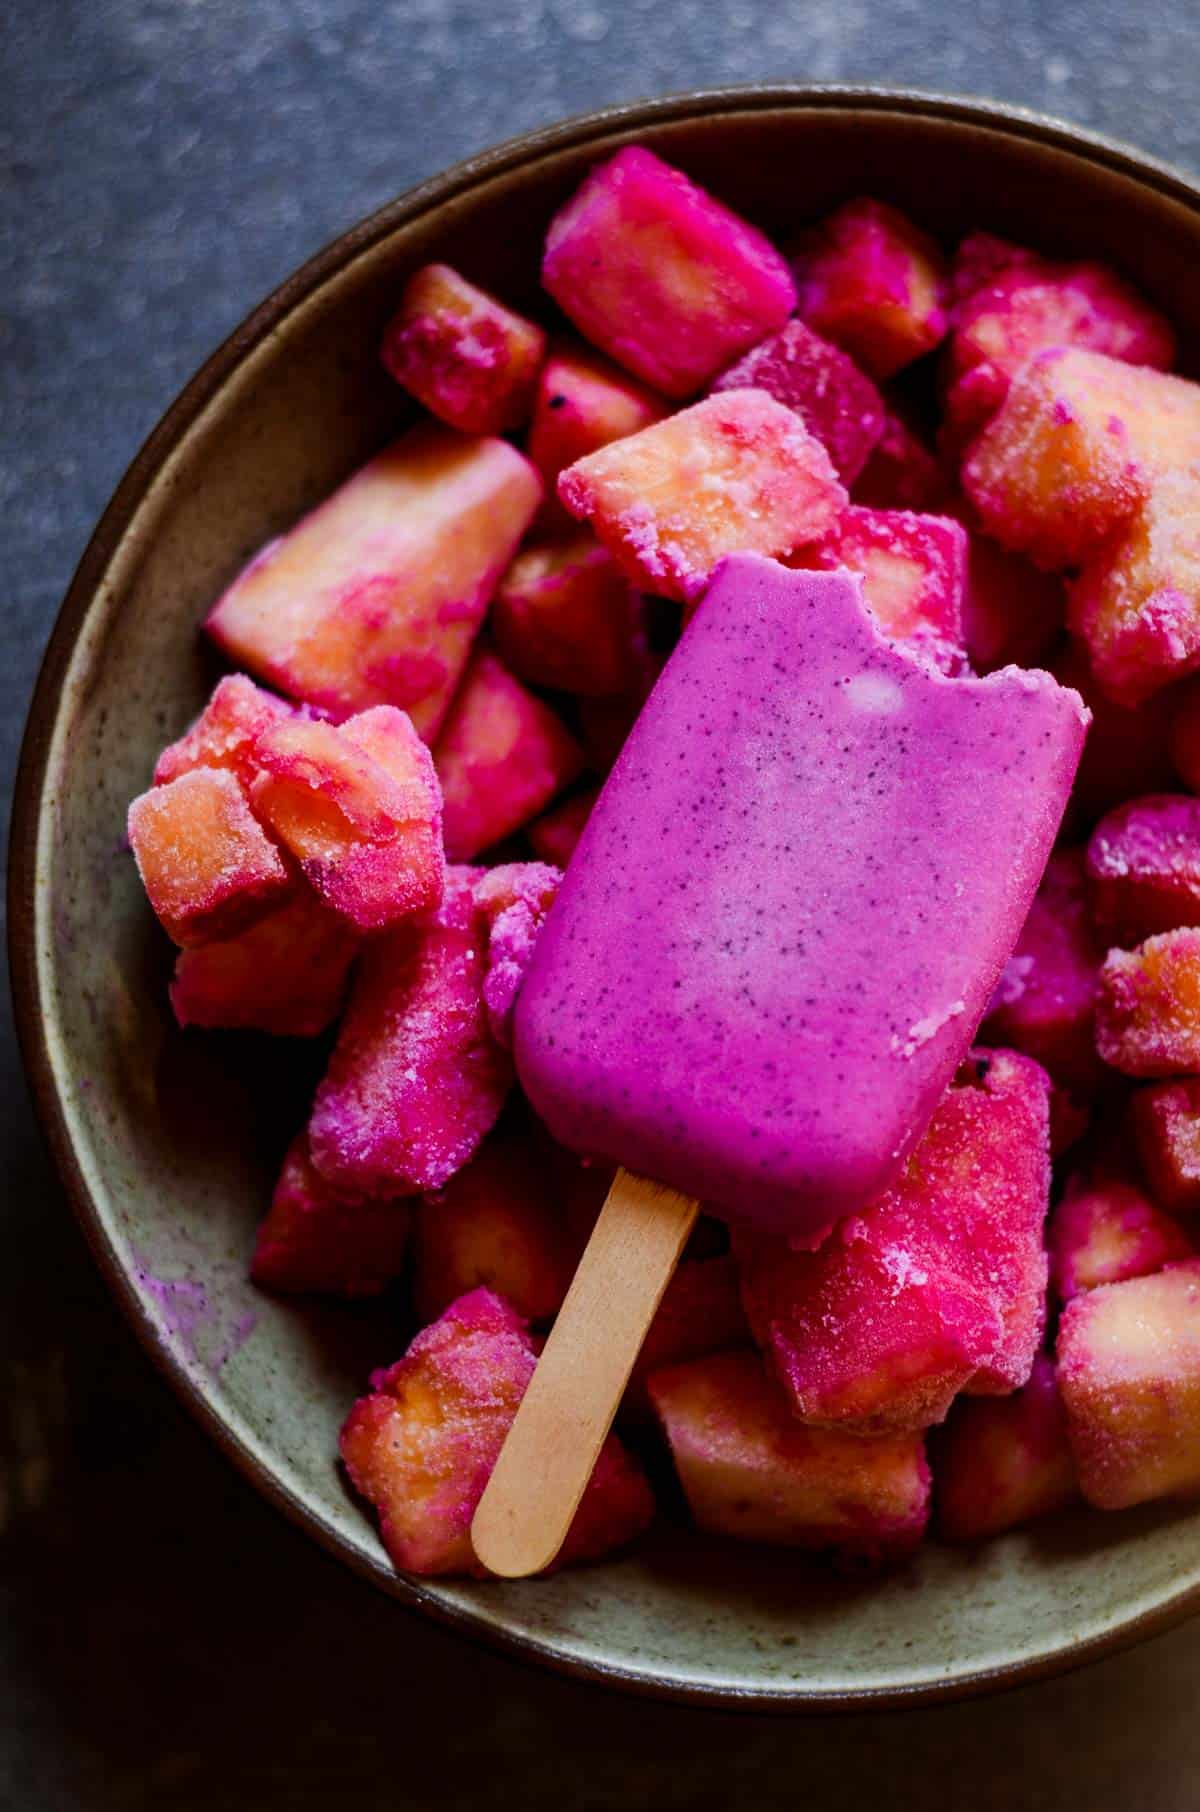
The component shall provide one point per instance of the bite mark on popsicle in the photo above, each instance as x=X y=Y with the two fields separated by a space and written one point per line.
x=688 y=1010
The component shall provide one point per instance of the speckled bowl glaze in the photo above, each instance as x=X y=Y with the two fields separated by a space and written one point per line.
x=167 y=1143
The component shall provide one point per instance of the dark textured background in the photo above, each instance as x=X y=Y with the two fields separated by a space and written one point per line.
x=165 y=1639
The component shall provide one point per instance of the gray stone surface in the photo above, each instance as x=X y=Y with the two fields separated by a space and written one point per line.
x=165 y=1639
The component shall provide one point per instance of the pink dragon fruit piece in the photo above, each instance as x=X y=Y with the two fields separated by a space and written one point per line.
x=421 y=1447
x=938 y=1286
x=501 y=758
x=375 y=597
x=750 y=1470
x=835 y=400
x=469 y=359
x=1001 y=1462
x=315 y=1241
x=736 y=473
x=416 y=1080
x=208 y=866
x=662 y=277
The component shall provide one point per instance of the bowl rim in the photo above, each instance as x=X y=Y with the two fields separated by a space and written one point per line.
x=28 y=799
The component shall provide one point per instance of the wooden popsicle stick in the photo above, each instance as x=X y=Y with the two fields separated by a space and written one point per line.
x=568 y=1409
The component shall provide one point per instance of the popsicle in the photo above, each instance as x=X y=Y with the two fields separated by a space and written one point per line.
x=779 y=930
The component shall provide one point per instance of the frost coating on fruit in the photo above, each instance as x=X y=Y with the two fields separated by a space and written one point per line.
x=469 y=359
x=938 y=1286
x=1107 y=1229
x=914 y=573
x=1045 y=1001
x=421 y=1447
x=666 y=280
x=1143 y=867
x=1011 y=304
x=582 y=403
x=501 y=758
x=1136 y=604
x=835 y=400
x=208 y=867
x=416 y=1079
x=515 y=899
x=1166 y=1121
x=226 y=731
x=1148 y=1007
x=359 y=807
x=873 y=283
x=1077 y=446
x=1129 y=1372
x=375 y=597
x=737 y=473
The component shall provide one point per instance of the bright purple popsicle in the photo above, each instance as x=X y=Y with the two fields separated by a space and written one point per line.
x=791 y=903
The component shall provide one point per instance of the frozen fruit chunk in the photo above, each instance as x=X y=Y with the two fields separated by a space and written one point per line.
x=315 y=1241
x=1166 y=1120
x=833 y=398
x=1045 y=1001
x=515 y=899
x=979 y=259
x=1136 y=604
x=1000 y=1462
x=1129 y=1373
x=750 y=1470
x=501 y=757
x=874 y=284
x=737 y=472
x=901 y=473
x=1010 y=304
x=375 y=597
x=1080 y=441
x=1143 y=867
x=555 y=834
x=566 y=617
x=208 y=867
x=286 y=975
x=700 y=1312
x=471 y=361
x=495 y=1224
x=939 y=1284
x=995 y=1142
x=1126 y=752
x=422 y=1446
x=661 y=276
x=416 y=1079
x=358 y=805
x=1012 y=612
x=582 y=403
x=224 y=734
x=1148 y=1008
x=914 y=575
x=528 y=887
x=1107 y=1229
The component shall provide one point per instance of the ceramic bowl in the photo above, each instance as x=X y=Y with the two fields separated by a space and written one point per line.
x=167 y=1143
